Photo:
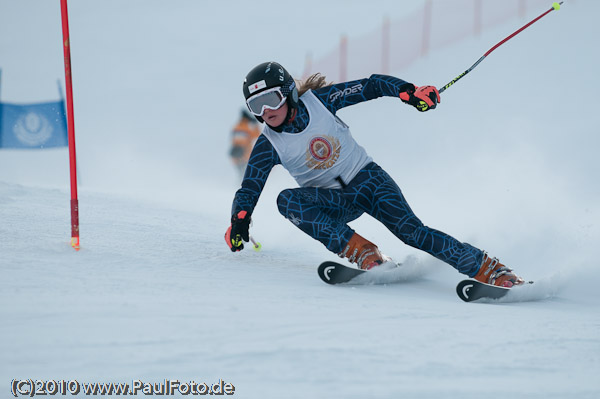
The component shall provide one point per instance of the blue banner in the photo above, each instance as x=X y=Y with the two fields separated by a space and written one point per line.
x=41 y=125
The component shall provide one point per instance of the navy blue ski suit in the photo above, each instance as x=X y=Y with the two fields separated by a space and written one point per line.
x=324 y=214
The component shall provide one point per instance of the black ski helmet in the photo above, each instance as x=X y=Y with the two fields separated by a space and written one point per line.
x=268 y=75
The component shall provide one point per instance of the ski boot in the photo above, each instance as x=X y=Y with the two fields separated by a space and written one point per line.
x=362 y=252
x=495 y=273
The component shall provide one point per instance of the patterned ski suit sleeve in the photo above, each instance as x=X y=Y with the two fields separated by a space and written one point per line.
x=262 y=159
x=344 y=94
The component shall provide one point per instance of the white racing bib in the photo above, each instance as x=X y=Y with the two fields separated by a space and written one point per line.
x=322 y=153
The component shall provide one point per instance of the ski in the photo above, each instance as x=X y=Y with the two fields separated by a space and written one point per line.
x=472 y=290
x=336 y=273
x=388 y=273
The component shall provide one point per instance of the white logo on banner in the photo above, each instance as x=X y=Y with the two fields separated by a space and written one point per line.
x=33 y=129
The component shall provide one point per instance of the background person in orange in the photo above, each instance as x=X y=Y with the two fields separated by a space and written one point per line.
x=243 y=137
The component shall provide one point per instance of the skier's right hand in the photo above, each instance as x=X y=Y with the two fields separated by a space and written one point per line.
x=238 y=231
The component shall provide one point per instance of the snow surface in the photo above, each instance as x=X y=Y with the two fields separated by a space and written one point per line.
x=508 y=162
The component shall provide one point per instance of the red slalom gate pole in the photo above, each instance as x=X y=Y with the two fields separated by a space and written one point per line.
x=555 y=6
x=71 y=127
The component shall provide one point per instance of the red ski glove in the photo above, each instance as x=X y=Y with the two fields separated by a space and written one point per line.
x=238 y=231
x=422 y=98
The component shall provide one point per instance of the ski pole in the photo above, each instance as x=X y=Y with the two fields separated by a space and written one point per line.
x=555 y=6
x=257 y=245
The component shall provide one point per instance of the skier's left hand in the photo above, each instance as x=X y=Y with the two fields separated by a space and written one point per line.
x=238 y=231
x=422 y=98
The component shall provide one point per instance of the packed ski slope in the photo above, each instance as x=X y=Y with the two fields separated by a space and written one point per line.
x=508 y=162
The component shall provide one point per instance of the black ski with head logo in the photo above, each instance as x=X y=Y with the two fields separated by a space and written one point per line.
x=336 y=273
x=472 y=290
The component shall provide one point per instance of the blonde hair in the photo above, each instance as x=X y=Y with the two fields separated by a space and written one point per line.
x=313 y=82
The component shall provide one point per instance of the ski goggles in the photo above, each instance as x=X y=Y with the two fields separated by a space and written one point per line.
x=268 y=99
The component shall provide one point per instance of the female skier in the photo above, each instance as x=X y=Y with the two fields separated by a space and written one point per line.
x=338 y=180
